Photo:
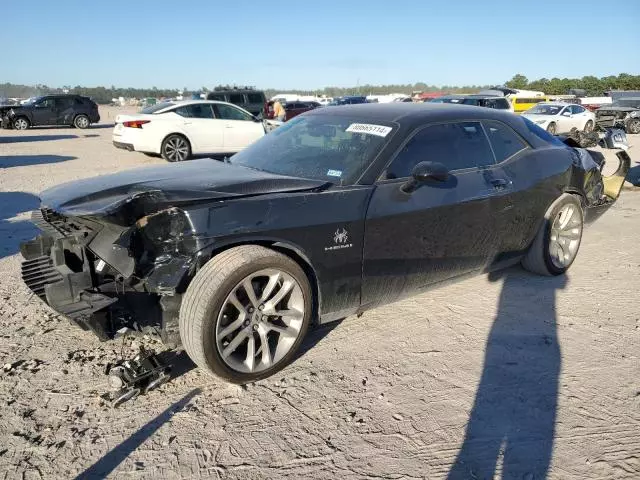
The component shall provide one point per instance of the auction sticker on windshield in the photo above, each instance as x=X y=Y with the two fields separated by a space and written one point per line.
x=379 y=130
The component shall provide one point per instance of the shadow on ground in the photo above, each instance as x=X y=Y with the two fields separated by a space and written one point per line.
x=12 y=233
x=8 y=161
x=314 y=336
x=181 y=364
x=512 y=424
x=35 y=138
x=119 y=453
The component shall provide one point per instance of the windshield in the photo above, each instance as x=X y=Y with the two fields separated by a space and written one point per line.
x=325 y=147
x=157 y=107
x=542 y=109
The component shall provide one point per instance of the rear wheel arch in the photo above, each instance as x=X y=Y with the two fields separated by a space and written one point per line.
x=182 y=134
x=177 y=134
x=79 y=115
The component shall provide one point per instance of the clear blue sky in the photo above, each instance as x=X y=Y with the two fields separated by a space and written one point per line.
x=312 y=44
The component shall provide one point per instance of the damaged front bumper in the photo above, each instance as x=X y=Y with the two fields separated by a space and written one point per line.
x=77 y=267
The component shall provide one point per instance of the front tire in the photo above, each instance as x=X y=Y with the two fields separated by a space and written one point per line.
x=245 y=313
x=175 y=148
x=81 y=121
x=588 y=127
x=634 y=126
x=556 y=244
x=21 y=123
x=551 y=128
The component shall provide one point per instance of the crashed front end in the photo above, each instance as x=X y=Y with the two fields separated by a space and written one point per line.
x=599 y=191
x=6 y=116
x=106 y=276
x=616 y=118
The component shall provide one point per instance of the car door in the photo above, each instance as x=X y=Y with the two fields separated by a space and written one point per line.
x=565 y=120
x=44 y=112
x=440 y=230
x=512 y=204
x=64 y=108
x=240 y=128
x=580 y=117
x=205 y=132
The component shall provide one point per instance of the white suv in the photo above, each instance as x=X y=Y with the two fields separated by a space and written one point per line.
x=180 y=130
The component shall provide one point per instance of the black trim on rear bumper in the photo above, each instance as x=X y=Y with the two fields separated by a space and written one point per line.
x=124 y=146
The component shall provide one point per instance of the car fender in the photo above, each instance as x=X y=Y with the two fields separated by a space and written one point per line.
x=296 y=252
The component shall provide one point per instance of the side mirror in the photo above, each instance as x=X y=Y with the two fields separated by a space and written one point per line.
x=566 y=114
x=424 y=172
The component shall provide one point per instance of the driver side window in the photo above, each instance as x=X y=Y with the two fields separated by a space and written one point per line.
x=227 y=112
x=456 y=145
x=46 y=103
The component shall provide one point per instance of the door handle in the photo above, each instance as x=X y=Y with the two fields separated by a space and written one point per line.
x=186 y=123
x=228 y=126
x=500 y=183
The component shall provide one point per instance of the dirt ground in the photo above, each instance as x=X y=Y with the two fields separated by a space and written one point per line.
x=508 y=376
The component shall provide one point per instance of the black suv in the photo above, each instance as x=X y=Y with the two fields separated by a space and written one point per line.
x=72 y=110
x=253 y=101
x=622 y=113
x=487 y=101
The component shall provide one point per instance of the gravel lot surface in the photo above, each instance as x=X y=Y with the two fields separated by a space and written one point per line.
x=508 y=376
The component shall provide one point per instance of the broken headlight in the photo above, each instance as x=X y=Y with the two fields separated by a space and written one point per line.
x=168 y=231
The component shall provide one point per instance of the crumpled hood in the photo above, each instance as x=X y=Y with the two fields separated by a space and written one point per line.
x=160 y=186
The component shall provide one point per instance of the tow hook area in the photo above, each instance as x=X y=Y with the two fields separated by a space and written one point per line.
x=128 y=378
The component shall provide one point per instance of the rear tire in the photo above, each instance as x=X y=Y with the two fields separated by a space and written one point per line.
x=81 y=121
x=175 y=148
x=588 y=127
x=551 y=128
x=224 y=329
x=21 y=123
x=557 y=243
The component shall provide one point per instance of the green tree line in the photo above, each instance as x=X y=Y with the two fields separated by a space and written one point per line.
x=554 y=86
x=594 y=86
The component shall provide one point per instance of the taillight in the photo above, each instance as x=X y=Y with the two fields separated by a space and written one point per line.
x=135 y=123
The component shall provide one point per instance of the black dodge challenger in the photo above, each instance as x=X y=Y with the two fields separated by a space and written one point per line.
x=334 y=213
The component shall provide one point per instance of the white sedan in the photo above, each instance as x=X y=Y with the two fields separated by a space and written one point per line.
x=557 y=117
x=181 y=130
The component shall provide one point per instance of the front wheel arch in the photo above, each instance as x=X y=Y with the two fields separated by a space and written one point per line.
x=205 y=297
x=286 y=248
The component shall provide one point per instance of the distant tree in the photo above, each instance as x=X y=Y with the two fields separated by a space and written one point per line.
x=518 y=81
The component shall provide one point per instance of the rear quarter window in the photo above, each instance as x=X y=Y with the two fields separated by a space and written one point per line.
x=504 y=141
x=236 y=98
x=255 y=98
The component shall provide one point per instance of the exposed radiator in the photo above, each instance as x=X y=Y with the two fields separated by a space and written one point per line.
x=38 y=273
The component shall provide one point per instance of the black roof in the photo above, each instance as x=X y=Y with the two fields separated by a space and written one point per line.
x=418 y=113
x=479 y=95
